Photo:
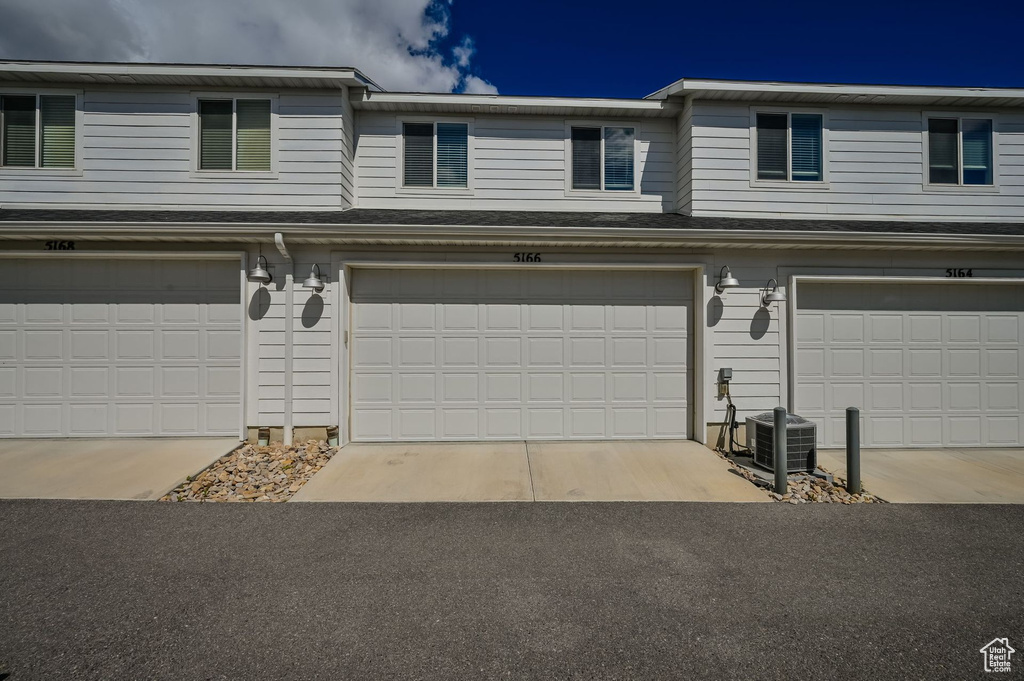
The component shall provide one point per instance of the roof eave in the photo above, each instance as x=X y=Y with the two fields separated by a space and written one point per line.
x=540 y=234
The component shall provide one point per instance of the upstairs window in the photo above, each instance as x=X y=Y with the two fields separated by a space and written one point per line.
x=602 y=158
x=436 y=155
x=234 y=134
x=789 y=147
x=960 y=151
x=37 y=131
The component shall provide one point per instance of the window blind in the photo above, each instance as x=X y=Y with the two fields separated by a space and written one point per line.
x=586 y=158
x=806 y=142
x=618 y=158
x=215 y=132
x=19 y=130
x=253 y=135
x=772 y=154
x=57 y=131
x=943 y=157
x=977 y=143
x=418 y=168
x=452 y=154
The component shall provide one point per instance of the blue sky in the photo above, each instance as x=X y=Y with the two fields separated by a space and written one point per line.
x=629 y=49
x=543 y=47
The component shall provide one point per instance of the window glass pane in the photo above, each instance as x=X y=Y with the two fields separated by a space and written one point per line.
x=215 y=128
x=452 y=154
x=419 y=154
x=977 y=151
x=586 y=158
x=772 y=155
x=943 y=157
x=253 y=136
x=618 y=158
x=19 y=130
x=806 y=137
x=57 y=129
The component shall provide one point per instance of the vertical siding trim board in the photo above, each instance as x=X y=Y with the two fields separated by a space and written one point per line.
x=702 y=357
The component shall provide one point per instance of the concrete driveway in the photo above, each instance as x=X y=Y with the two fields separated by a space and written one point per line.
x=103 y=468
x=535 y=471
x=946 y=476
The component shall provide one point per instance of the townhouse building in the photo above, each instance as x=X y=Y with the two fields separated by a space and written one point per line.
x=214 y=250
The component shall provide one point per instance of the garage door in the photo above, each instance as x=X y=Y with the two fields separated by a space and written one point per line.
x=516 y=354
x=928 y=365
x=119 y=347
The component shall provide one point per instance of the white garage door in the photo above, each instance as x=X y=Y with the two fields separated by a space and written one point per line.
x=518 y=354
x=119 y=347
x=928 y=365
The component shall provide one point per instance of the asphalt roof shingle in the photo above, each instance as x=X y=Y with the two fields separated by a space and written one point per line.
x=486 y=218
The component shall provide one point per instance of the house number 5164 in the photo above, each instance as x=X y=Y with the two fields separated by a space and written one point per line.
x=526 y=257
x=959 y=272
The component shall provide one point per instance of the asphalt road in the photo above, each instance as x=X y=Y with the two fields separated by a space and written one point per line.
x=131 y=590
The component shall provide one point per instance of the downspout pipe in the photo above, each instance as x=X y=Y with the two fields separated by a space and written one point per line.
x=289 y=323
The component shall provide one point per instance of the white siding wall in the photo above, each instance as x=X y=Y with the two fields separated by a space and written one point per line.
x=518 y=164
x=876 y=169
x=136 y=151
x=314 y=380
x=752 y=341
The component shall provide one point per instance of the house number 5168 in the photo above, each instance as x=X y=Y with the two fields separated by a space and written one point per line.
x=526 y=257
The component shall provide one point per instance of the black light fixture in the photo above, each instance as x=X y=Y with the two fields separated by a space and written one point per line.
x=726 y=280
x=314 y=281
x=259 y=274
x=772 y=294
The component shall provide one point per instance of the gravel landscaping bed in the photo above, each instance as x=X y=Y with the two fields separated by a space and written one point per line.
x=803 y=488
x=256 y=473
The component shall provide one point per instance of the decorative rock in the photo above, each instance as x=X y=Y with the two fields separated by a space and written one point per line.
x=254 y=473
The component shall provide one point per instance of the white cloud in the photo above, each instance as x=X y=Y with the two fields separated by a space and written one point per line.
x=472 y=85
x=395 y=42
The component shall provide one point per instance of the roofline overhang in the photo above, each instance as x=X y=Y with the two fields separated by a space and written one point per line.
x=128 y=73
x=431 y=101
x=419 y=235
x=708 y=88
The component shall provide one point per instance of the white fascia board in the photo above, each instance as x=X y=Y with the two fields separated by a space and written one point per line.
x=708 y=87
x=606 y=235
x=367 y=100
x=127 y=71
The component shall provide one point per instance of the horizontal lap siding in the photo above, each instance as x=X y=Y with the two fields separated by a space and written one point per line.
x=314 y=376
x=136 y=151
x=876 y=169
x=516 y=164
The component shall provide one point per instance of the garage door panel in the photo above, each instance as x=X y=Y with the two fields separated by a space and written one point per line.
x=937 y=366
x=121 y=347
x=517 y=354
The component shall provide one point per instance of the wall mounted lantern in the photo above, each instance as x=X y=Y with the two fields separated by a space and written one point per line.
x=772 y=294
x=726 y=280
x=259 y=273
x=314 y=281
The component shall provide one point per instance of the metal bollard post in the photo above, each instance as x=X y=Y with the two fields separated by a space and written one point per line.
x=780 y=452
x=853 y=450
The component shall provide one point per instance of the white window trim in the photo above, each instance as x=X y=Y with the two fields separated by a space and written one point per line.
x=196 y=173
x=823 y=183
x=37 y=171
x=602 y=193
x=435 y=190
x=959 y=187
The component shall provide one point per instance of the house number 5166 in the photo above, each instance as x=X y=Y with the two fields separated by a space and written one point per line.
x=526 y=257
